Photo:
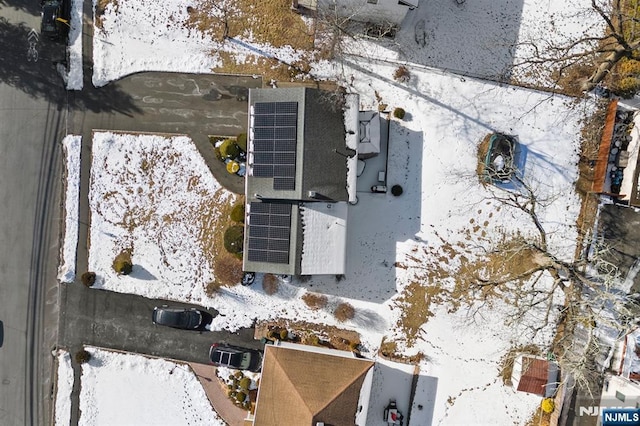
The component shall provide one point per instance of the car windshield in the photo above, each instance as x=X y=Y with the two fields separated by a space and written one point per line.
x=173 y=318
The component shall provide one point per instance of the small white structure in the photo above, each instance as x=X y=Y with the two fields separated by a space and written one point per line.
x=369 y=131
x=384 y=12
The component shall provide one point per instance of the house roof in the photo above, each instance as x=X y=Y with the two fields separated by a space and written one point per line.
x=534 y=375
x=320 y=146
x=298 y=151
x=324 y=225
x=304 y=387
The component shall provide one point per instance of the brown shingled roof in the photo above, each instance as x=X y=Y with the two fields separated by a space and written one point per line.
x=534 y=376
x=300 y=387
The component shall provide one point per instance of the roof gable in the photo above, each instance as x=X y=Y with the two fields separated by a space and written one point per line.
x=306 y=387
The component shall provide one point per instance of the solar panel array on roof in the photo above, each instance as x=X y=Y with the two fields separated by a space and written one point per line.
x=269 y=232
x=275 y=129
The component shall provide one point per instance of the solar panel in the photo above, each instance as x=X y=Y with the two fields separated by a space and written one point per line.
x=264 y=108
x=286 y=107
x=269 y=232
x=284 y=184
x=274 y=133
x=261 y=170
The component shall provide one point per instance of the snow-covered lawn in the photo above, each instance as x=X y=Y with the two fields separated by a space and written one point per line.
x=67 y=268
x=153 y=196
x=64 y=386
x=124 y=389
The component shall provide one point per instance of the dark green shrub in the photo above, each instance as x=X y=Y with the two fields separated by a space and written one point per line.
x=241 y=141
x=82 y=356
x=241 y=396
x=122 y=263
x=234 y=239
x=88 y=278
x=237 y=213
x=229 y=149
x=244 y=383
x=399 y=113
x=396 y=190
x=284 y=334
x=272 y=334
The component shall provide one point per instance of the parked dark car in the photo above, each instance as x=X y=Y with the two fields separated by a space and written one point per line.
x=53 y=24
x=223 y=355
x=185 y=318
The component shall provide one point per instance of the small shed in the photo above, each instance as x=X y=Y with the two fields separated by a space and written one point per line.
x=535 y=375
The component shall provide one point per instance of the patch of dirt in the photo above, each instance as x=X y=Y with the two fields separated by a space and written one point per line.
x=483 y=149
x=263 y=22
x=214 y=219
x=303 y=332
x=439 y=283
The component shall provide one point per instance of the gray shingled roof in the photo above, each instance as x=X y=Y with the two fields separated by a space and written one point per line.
x=321 y=166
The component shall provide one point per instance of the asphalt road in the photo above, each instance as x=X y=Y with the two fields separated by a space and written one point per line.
x=32 y=122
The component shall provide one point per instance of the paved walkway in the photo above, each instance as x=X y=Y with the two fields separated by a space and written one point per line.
x=226 y=409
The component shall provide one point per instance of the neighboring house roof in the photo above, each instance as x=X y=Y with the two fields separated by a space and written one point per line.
x=301 y=150
x=535 y=375
x=302 y=387
x=379 y=11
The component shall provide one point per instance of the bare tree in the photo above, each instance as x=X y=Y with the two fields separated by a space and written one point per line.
x=594 y=56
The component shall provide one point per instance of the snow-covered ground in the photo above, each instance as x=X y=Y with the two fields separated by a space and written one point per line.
x=432 y=155
x=67 y=268
x=64 y=386
x=125 y=389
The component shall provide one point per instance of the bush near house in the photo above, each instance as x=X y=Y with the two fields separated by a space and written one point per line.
x=237 y=213
x=241 y=141
x=234 y=239
x=229 y=149
x=344 y=311
x=315 y=301
x=399 y=113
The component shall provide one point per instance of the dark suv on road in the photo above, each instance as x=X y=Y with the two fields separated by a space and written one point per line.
x=53 y=25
